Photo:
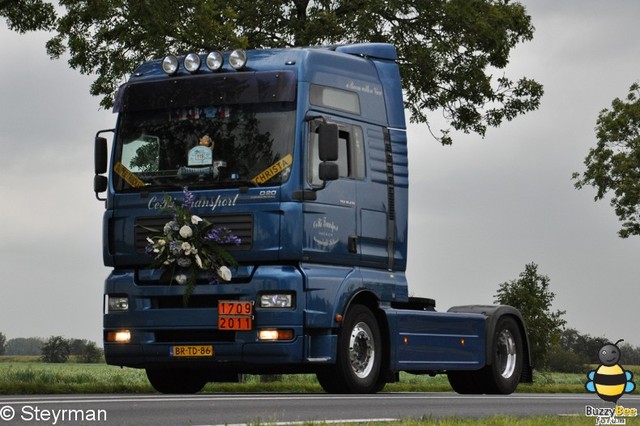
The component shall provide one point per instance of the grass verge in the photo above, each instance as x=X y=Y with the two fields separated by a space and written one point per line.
x=28 y=376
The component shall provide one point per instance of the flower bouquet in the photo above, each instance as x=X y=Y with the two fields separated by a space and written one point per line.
x=188 y=244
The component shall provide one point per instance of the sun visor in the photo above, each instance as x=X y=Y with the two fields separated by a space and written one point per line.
x=204 y=90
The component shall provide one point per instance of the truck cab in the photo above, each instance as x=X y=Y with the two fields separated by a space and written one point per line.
x=301 y=155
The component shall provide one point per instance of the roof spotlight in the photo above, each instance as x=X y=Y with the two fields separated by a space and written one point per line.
x=238 y=59
x=214 y=60
x=170 y=64
x=192 y=62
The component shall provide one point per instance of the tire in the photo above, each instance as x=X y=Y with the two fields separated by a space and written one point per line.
x=176 y=381
x=507 y=357
x=359 y=357
x=503 y=373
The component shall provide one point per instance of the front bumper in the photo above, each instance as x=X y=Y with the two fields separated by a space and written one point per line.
x=158 y=321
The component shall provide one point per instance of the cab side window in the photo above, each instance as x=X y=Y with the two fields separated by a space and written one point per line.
x=350 y=154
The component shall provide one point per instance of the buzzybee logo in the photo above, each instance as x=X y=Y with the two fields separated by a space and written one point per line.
x=610 y=381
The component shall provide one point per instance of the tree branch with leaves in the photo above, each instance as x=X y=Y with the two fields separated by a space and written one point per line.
x=613 y=166
x=449 y=49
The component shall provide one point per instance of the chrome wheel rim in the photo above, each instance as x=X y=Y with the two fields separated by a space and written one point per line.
x=361 y=350
x=506 y=356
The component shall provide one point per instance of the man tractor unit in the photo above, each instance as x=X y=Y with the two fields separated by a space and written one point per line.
x=298 y=158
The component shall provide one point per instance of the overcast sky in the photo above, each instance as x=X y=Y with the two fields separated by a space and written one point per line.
x=479 y=210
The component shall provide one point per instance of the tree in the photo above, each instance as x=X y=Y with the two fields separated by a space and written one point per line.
x=449 y=49
x=531 y=295
x=613 y=166
x=3 y=343
x=56 y=350
x=24 y=346
x=28 y=15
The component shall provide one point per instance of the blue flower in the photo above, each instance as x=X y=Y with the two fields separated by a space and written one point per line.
x=188 y=198
x=223 y=236
x=171 y=226
x=175 y=247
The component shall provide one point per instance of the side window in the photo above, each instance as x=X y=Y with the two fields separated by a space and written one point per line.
x=350 y=154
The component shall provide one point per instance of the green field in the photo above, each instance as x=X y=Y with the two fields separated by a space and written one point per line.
x=26 y=375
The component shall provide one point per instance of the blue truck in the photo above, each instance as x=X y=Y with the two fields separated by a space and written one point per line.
x=301 y=153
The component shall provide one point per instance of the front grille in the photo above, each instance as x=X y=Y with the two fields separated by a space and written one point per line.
x=240 y=225
x=194 y=301
x=194 y=336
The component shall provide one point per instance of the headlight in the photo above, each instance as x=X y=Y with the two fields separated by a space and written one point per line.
x=276 y=301
x=170 y=64
x=238 y=59
x=192 y=62
x=214 y=61
x=118 y=303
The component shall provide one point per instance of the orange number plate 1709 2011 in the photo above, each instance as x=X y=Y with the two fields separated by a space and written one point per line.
x=235 y=315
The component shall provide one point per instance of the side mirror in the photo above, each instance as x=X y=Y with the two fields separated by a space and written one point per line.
x=328 y=170
x=100 y=184
x=100 y=160
x=328 y=142
x=328 y=152
x=100 y=155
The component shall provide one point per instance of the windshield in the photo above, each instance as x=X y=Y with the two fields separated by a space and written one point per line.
x=206 y=146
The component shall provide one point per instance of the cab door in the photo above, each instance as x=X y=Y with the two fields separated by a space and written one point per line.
x=330 y=225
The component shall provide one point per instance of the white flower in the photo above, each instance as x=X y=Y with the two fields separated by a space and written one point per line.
x=162 y=242
x=186 y=231
x=186 y=247
x=196 y=219
x=199 y=261
x=150 y=241
x=224 y=273
x=181 y=279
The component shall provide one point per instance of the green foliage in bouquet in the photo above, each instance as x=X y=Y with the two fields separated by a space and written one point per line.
x=189 y=244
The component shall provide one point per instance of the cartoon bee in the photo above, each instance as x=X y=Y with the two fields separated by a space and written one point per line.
x=610 y=381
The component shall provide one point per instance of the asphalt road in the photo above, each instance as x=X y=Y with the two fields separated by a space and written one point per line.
x=220 y=409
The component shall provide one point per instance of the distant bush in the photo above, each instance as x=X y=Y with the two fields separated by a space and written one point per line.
x=561 y=360
x=90 y=353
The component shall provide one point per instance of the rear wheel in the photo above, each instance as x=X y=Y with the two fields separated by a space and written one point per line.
x=176 y=381
x=503 y=374
x=359 y=357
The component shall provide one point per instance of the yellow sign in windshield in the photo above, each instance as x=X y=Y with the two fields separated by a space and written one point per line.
x=128 y=175
x=274 y=170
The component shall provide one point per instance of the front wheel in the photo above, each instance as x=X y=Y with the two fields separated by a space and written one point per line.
x=359 y=358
